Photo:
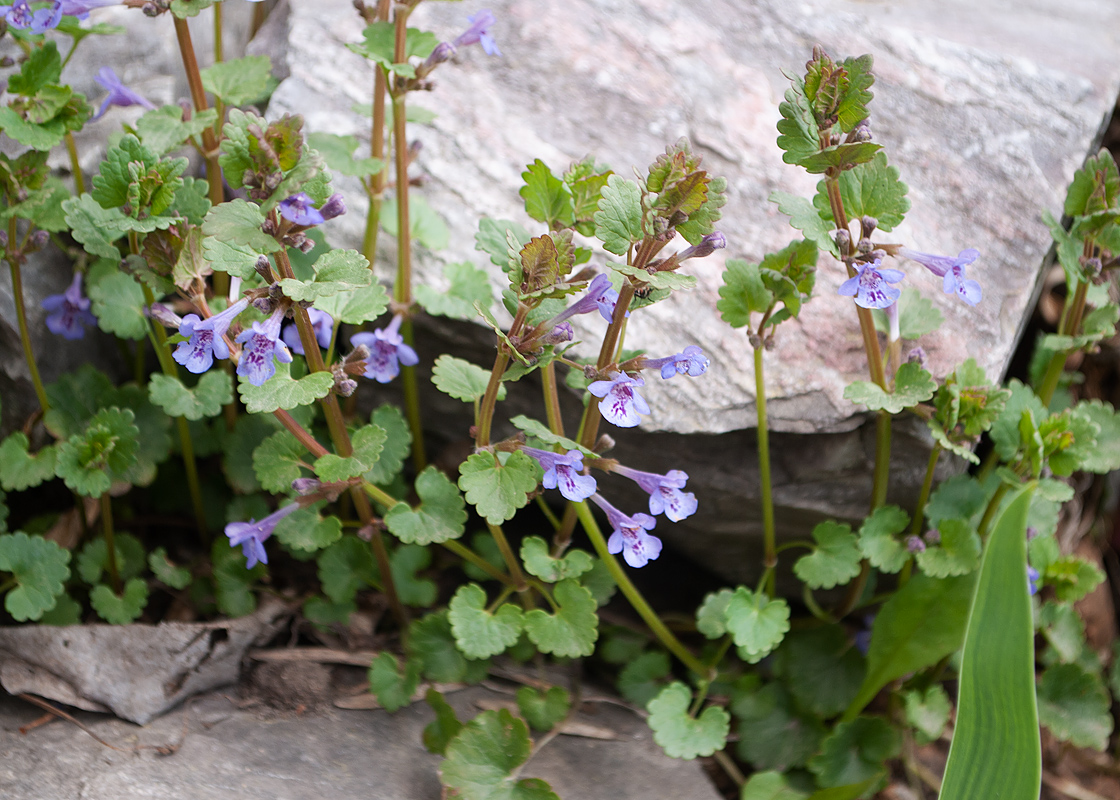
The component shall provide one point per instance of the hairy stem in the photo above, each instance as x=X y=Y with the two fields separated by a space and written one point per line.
x=376 y=185
x=770 y=555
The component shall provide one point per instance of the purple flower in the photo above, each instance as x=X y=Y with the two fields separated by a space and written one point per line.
x=21 y=17
x=629 y=536
x=299 y=209
x=915 y=544
x=386 y=349
x=251 y=535
x=591 y=301
x=563 y=472
x=321 y=322
x=620 y=404
x=334 y=206
x=479 y=32
x=606 y=302
x=691 y=361
x=665 y=495
x=119 y=94
x=81 y=8
x=1032 y=579
x=259 y=344
x=952 y=270
x=68 y=313
x=559 y=334
x=204 y=338
x=708 y=245
x=870 y=286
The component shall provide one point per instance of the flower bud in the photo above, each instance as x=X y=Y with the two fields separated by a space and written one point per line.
x=561 y=333
x=868 y=224
x=306 y=486
x=915 y=545
x=843 y=240
x=164 y=315
x=865 y=245
x=305 y=245
x=933 y=536
x=917 y=356
x=264 y=268
x=605 y=443
x=334 y=207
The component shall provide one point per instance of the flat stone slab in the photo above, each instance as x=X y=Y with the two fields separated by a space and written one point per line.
x=225 y=752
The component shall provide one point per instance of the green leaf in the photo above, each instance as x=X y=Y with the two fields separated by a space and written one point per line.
x=1005 y=430
x=1064 y=631
x=39 y=569
x=855 y=752
x=88 y=462
x=680 y=735
x=66 y=611
x=461 y=379
x=835 y=561
x=711 y=616
x=493 y=238
x=163 y=129
x=618 y=222
x=393 y=689
x=335 y=271
x=756 y=622
x=233 y=583
x=446 y=726
x=238 y=222
x=483 y=759
x=133 y=179
x=877 y=540
x=822 y=667
x=769 y=786
x=642 y=679
x=1072 y=578
x=543 y=710
x=404 y=563
x=18 y=469
x=1105 y=457
x=539 y=431
x=845 y=156
x=432 y=642
x=441 y=515
x=572 y=630
x=240 y=81
x=958 y=552
x=284 y=391
x=538 y=561
x=277 y=461
x=237 y=259
x=743 y=292
x=397 y=445
x=166 y=572
x=928 y=712
x=468 y=285
x=804 y=217
x=93 y=560
x=479 y=633
x=917 y=316
x=773 y=732
x=918 y=626
x=912 y=385
x=995 y=748
x=345 y=567
x=305 y=532
x=379 y=46
x=497 y=484
x=657 y=280
x=367 y=443
x=870 y=189
x=190 y=8
x=123 y=608
x=1095 y=187
x=118 y=303
x=547 y=198
x=95 y=227
x=43 y=66
x=214 y=390
x=1074 y=706
x=799 y=136
x=338 y=152
x=356 y=305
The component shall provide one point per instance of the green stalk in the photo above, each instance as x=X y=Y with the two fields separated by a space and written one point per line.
x=521 y=585
x=110 y=548
x=465 y=553
x=551 y=399
x=75 y=166
x=923 y=496
x=376 y=185
x=882 y=459
x=219 y=57
x=659 y=629
x=990 y=511
x=770 y=557
x=340 y=437
x=21 y=319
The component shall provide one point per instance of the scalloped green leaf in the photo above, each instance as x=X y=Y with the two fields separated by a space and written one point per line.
x=539 y=562
x=835 y=561
x=912 y=385
x=441 y=515
x=238 y=222
x=854 y=752
x=367 y=443
x=479 y=633
x=240 y=81
x=461 y=379
x=618 y=222
x=39 y=569
x=570 y=631
x=757 y=623
x=284 y=391
x=335 y=271
x=483 y=759
x=497 y=484
x=681 y=735
x=118 y=303
x=214 y=390
x=877 y=540
x=392 y=687
x=804 y=217
x=958 y=552
x=357 y=305
x=345 y=567
x=120 y=609
x=20 y=470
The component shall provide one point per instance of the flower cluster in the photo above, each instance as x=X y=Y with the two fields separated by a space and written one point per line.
x=19 y=14
x=205 y=338
x=68 y=313
x=871 y=285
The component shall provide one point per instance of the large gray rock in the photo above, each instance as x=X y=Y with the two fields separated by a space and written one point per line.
x=346 y=755
x=987 y=108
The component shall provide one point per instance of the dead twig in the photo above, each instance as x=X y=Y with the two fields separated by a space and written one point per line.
x=321 y=655
x=162 y=749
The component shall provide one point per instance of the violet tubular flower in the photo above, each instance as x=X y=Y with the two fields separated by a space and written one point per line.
x=321 y=322
x=119 y=94
x=479 y=32
x=871 y=285
x=259 y=344
x=252 y=534
x=620 y=404
x=951 y=270
x=590 y=301
x=299 y=209
x=564 y=472
x=1032 y=579
x=665 y=495
x=81 y=8
x=638 y=548
x=691 y=362
x=387 y=351
x=205 y=340
x=21 y=16
x=68 y=313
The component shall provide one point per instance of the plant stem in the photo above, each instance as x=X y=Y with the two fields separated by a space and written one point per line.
x=340 y=437
x=551 y=399
x=770 y=557
x=923 y=496
x=376 y=186
x=21 y=320
x=110 y=548
x=510 y=557
x=882 y=459
x=990 y=511
x=471 y=556
x=75 y=165
x=659 y=629
x=209 y=141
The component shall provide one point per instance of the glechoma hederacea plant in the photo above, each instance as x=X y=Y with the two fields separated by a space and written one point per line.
x=264 y=337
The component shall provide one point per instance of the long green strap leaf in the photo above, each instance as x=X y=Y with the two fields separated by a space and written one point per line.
x=996 y=750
